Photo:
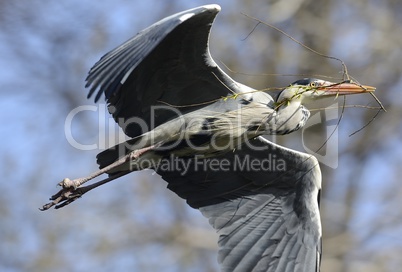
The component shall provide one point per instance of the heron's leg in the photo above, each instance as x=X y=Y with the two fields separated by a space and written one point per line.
x=71 y=188
x=67 y=183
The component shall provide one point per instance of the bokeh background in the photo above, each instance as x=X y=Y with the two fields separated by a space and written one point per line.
x=135 y=223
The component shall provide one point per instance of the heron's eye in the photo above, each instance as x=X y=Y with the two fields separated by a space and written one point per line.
x=313 y=84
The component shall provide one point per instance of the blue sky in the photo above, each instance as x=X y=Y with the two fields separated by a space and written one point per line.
x=36 y=155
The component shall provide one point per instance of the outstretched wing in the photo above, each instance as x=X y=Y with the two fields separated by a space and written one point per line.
x=167 y=63
x=262 y=200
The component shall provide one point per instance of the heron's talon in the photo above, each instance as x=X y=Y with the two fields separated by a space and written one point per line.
x=64 y=197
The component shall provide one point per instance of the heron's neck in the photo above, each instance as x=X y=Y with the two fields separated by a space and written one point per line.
x=290 y=117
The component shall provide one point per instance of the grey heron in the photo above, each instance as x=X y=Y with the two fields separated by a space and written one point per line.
x=167 y=93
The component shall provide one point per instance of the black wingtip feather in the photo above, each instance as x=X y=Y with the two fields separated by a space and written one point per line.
x=98 y=95
x=105 y=76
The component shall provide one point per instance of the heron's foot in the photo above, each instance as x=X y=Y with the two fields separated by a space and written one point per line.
x=72 y=189
x=69 y=193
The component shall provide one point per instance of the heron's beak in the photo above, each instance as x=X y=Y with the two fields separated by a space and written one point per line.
x=344 y=88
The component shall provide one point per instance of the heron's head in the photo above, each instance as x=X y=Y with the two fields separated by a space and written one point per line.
x=312 y=89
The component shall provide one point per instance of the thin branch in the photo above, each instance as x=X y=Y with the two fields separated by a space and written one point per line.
x=345 y=69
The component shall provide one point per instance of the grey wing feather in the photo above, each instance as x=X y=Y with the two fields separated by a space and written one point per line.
x=266 y=220
x=168 y=63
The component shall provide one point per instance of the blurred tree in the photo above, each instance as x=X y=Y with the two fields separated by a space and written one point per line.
x=136 y=224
